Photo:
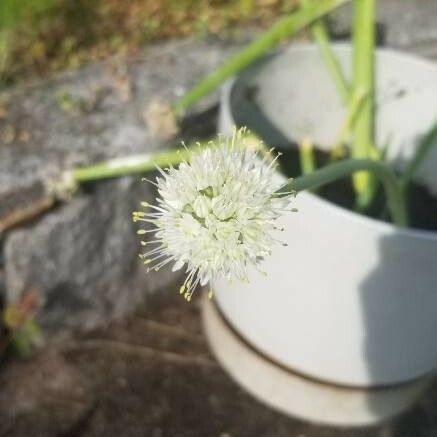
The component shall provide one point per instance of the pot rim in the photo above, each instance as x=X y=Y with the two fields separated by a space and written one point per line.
x=378 y=225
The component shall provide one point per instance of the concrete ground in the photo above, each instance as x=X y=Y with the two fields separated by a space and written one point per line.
x=153 y=375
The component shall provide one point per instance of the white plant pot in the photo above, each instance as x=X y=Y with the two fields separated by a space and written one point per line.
x=351 y=301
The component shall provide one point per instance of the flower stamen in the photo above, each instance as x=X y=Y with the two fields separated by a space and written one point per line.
x=216 y=214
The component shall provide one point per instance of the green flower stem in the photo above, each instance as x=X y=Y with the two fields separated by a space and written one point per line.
x=341 y=169
x=285 y=27
x=129 y=166
x=363 y=78
x=144 y=163
x=321 y=37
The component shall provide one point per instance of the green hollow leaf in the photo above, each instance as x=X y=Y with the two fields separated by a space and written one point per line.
x=321 y=37
x=283 y=28
x=363 y=78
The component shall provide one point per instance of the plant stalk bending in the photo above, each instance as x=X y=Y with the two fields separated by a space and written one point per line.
x=310 y=181
x=285 y=27
x=341 y=169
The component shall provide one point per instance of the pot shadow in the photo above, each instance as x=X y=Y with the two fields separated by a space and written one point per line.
x=383 y=304
x=393 y=311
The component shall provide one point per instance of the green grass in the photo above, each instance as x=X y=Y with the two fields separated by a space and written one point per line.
x=13 y=11
x=38 y=37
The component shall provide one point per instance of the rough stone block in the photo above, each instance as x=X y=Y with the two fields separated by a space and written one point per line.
x=80 y=258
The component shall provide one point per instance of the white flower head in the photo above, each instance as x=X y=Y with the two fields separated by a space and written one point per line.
x=215 y=214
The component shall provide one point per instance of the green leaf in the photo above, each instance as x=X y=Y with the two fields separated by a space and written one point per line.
x=321 y=37
x=12 y=11
x=284 y=27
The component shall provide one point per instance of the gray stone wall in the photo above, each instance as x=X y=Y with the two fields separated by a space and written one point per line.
x=80 y=259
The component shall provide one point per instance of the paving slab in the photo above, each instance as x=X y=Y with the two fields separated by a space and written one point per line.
x=153 y=375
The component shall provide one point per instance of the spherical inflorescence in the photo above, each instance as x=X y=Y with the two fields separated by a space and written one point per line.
x=215 y=214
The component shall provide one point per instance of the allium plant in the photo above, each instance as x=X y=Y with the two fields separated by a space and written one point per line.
x=216 y=214
x=217 y=211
